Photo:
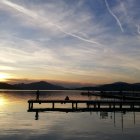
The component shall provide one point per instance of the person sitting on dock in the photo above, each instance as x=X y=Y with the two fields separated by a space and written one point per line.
x=67 y=98
x=37 y=95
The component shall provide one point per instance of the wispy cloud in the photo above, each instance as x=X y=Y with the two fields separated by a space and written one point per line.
x=44 y=20
x=116 y=18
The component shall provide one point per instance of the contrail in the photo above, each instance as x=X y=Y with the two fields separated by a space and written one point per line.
x=138 y=28
x=110 y=11
x=38 y=18
x=20 y=9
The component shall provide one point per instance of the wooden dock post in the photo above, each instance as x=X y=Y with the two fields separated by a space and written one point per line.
x=109 y=105
x=87 y=105
x=32 y=105
x=133 y=105
x=53 y=105
x=72 y=105
x=98 y=105
x=114 y=105
x=76 y=105
x=120 y=105
x=29 y=106
x=94 y=105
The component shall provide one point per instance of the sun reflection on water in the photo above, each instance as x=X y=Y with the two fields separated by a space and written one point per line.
x=2 y=101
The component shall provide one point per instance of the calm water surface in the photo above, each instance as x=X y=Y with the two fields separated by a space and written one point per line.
x=18 y=124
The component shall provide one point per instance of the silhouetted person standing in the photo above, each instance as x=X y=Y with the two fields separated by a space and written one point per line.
x=37 y=95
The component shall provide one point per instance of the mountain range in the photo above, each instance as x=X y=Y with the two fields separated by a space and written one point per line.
x=117 y=86
x=42 y=85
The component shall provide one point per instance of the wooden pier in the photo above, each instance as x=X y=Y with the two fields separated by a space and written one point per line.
x=94 y=105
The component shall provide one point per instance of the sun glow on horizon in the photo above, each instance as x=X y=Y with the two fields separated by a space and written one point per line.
x=4 y=77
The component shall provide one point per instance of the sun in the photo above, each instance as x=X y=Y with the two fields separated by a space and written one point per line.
x=4 y=77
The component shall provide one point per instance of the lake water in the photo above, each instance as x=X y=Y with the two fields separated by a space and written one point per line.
x=18 y=124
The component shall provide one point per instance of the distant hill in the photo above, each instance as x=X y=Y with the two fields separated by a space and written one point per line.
x=6 y=86
x=42 y=85
x=117 y=86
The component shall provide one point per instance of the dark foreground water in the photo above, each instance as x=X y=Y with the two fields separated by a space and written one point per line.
x=18 y=124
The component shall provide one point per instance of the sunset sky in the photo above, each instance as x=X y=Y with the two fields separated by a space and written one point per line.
x=85 y=41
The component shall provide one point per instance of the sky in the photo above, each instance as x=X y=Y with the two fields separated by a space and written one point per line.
x=81 y=41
